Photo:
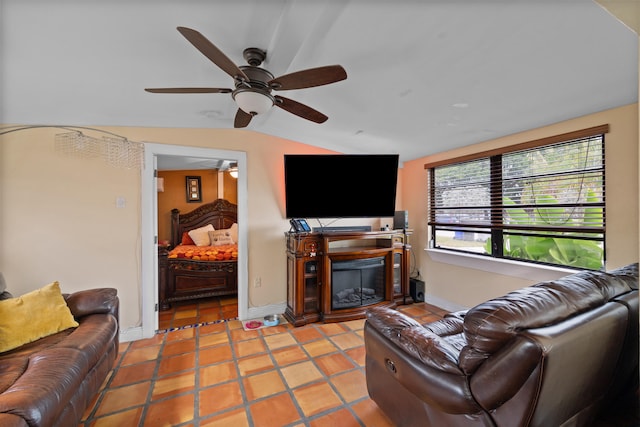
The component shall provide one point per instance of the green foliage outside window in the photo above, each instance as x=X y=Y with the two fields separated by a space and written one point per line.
x=567 y=250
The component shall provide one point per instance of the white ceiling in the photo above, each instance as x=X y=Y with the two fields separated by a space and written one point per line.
x=423 y=76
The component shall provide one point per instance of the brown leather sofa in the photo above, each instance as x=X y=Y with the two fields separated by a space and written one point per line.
x=51 y=381
x=551 y=354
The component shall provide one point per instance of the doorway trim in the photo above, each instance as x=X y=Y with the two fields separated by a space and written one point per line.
x=149 y=227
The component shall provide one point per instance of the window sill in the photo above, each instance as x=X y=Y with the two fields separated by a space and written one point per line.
x=523 y=270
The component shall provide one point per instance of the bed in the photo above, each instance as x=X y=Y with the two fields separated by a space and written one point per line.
x=201 y=260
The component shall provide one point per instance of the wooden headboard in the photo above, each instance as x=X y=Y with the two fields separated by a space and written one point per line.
x=220 y=213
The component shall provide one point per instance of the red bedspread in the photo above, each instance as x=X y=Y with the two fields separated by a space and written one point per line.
x=206 y=253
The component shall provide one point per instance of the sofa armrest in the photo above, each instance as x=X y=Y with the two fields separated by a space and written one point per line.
x=11 y=420
x=93 y=301
x=457 y=314
x=504 y=374
x=419 y=341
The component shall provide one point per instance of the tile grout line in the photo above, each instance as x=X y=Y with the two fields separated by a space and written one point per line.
x=321 y=332
x=288 y=389
x=196 y=377
x=243 y=391
x=152 y=381
x=325 y=378
x=356 y=368
x=103 y=391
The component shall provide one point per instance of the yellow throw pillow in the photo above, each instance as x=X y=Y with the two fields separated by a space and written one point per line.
x=32 y=316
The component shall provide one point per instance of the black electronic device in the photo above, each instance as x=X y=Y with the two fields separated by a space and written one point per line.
x=340 y=185
x=299 y=225
x=401 y=220
x=416 y=290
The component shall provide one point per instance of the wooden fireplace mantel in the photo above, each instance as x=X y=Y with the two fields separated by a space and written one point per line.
x=309 y=271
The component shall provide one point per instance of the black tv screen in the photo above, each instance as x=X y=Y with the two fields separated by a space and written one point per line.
x=340 y=185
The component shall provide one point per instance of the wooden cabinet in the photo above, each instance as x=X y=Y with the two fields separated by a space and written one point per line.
x=320 y=264
x=402 y=267
x=163 y=262
x=303 y=280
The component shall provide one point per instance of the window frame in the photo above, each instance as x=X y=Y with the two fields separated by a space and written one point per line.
x=496 y=228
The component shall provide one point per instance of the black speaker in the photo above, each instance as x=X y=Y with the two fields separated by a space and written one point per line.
x=401 y=220
x=416 y=290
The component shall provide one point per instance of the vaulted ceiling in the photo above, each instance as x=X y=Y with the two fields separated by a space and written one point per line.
x=423 y=76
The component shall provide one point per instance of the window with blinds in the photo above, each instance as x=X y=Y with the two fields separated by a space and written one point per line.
x=542 y=204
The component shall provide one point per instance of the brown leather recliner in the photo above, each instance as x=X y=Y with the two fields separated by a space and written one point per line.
x=551 y=354
x=51 y=381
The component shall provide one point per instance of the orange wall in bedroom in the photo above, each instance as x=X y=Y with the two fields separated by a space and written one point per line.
x=174 y=195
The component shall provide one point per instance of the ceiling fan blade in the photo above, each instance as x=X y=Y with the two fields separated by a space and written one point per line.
x=309 y=78
x=242 y=119
x=216 y=56
x=300 y=110
x=189 y=90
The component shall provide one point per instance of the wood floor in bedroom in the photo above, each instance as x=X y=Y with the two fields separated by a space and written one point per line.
x=192 y=313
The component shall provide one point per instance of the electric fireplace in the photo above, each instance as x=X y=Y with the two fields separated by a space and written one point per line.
x=337 y=275
x=357 y=282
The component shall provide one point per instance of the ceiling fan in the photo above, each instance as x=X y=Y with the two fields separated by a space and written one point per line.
x=253 y=85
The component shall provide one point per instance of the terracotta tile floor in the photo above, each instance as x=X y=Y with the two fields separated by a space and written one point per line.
x=217 y=374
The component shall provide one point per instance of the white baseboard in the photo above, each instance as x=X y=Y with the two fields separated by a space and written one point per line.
x=445 y=304
x=131 y=334
x=265 y=310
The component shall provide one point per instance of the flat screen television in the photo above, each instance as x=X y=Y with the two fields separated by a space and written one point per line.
x=340 y=185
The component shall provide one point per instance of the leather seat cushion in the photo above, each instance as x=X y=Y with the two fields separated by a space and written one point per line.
x=93 y=338
x=51 y=379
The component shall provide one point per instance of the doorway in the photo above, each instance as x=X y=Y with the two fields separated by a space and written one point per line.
x=149 y=224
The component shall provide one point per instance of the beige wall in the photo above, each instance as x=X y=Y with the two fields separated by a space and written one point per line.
x=465 y=286
x=59 y=219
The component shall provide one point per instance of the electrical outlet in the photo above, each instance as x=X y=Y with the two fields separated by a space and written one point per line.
x=257 y=283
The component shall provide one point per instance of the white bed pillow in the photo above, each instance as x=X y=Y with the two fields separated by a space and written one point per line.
x=200 y=236
x=234 y=232
x=220 y=237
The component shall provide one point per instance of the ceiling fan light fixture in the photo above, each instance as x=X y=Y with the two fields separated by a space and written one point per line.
x=253 y=84
x=253 y=101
